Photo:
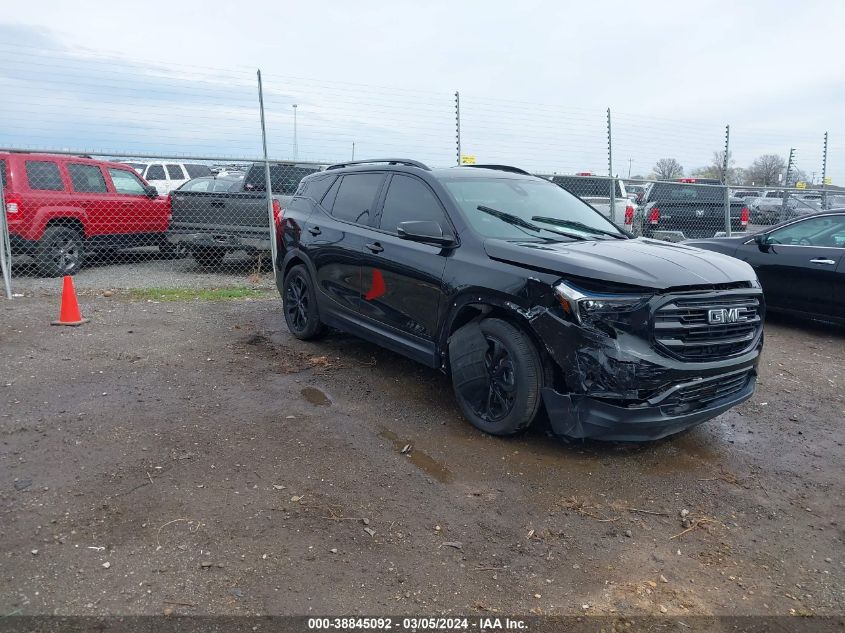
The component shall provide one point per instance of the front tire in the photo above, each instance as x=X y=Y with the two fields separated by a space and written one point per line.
x=60 y=251
x=500 y=377
x=299 y=301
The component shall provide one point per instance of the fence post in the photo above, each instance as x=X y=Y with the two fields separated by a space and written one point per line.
x=785 y=198
x=458 y=124
x=5 y=244
x=610 y=171
x=725 y=164
x=824 y=173
x=267 y=185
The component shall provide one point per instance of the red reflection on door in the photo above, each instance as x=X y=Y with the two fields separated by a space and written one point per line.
x=377 y=287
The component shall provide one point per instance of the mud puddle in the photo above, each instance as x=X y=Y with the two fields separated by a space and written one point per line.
x=315 y=396
x=420 y=459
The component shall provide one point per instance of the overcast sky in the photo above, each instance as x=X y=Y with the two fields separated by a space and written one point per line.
x=535 y=79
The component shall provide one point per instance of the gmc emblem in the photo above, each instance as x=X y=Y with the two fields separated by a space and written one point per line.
x=721 y=316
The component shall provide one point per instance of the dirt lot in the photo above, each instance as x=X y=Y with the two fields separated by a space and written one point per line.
x=191 y=457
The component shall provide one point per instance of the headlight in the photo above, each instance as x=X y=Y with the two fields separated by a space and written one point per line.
x=597 y=309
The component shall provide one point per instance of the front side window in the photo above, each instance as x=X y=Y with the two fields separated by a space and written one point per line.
x=86 y=178
x=409 y=199
x=43 y=175
x=155 y=172
x=356 y=197
x=126 y=182
x=828 y=231
x=546 y=207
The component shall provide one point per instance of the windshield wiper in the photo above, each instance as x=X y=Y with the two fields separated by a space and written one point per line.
x=576 y=225
x=515 y=220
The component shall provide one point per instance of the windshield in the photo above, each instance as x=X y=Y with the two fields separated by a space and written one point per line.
x=526 y=199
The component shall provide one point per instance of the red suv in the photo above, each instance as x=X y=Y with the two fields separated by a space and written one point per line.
x=59 y=207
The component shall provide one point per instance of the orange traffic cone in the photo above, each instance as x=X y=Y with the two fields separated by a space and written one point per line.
x=69 y=313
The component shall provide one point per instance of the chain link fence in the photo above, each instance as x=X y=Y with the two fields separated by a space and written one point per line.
x=122 y=221
x=183 y=201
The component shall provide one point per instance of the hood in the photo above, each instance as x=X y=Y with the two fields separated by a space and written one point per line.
x=637 y=262
x=726 y=245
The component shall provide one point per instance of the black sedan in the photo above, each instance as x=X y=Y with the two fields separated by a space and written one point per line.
x=800 y=263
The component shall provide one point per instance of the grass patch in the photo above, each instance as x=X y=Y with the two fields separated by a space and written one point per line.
x=202 y=294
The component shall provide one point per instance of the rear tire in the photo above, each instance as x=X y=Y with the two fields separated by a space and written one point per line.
x=299 y=301
x=498 y=388
x=60 y=251
x=209 y=256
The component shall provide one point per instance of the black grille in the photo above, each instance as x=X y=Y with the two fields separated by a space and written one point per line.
x=682 y=328
x=710 y=390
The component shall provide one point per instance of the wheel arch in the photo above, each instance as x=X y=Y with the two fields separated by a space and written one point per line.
x=475 y=306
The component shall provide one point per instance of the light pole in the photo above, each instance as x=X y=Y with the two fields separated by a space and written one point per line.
x=295 y=144
x=630 y=162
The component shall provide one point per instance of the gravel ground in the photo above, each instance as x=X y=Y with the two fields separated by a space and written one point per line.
x=142 y=269
x=193 y=458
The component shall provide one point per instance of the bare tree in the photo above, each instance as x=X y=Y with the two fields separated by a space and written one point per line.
x=765 y=170
x=716 y=168
x=667 y=169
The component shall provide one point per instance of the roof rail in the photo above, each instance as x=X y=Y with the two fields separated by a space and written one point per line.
x=513 y=170
x=390 y=161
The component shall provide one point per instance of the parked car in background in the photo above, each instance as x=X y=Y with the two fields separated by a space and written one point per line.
x=636 y=192
x=214 y=216
x=61 y=207
x=213 y=184
x=745 y=194
x=166 y=176
x=800 y=263
x=680 y=210
x=595 y=191
x=775 y=210
x=523 y=294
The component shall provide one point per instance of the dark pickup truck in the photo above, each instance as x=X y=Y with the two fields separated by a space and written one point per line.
x=210 y=222
x=677 y=210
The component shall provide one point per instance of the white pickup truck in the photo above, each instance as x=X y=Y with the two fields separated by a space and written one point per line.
x=595 y=191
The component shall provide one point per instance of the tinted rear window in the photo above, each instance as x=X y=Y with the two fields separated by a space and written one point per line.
x=585 y=187
x=284 y=179
x=174 y=172
x=686 y=193
x=197 y=171
x=356 y=197
x=155 y=172
x=43 y=175
x=315 y=188
x=86 y=178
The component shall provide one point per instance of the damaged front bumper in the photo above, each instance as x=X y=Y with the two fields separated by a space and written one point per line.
x=622 y=388
x=581 y=416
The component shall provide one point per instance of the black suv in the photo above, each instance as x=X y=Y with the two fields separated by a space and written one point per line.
x=525 y=295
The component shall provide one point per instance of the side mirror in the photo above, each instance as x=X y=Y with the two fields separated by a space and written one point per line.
x=425 y=231
x=762 y=240
x=150 y=191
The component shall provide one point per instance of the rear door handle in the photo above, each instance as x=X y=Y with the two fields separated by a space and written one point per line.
x=314 y=230
x=823 y=260
x=375 y=247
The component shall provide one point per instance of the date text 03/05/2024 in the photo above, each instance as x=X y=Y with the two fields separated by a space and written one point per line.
x=417 y=623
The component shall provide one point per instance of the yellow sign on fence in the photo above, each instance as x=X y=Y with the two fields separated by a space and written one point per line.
x=828 y=181
x=467 y=159
x=800 y=185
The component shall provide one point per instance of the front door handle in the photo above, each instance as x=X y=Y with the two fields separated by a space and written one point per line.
x=375 y=247
x=314 y=230
x=823 y=260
